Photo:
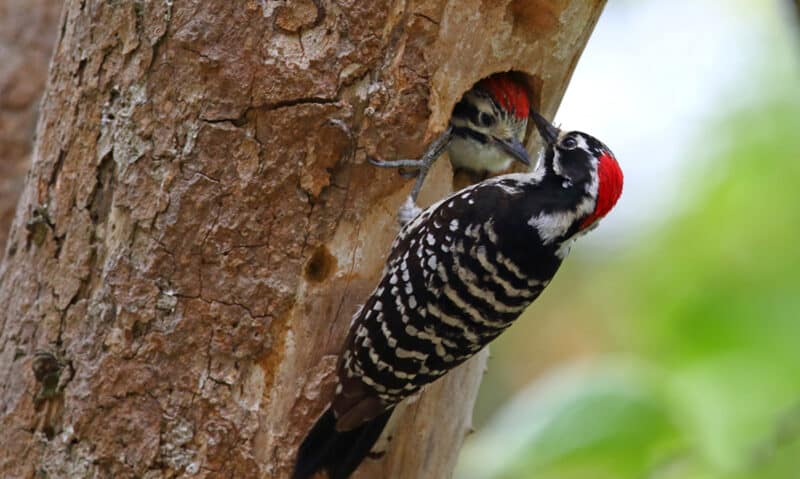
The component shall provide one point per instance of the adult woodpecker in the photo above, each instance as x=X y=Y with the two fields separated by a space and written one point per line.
x=458 y=274
x=485 y=134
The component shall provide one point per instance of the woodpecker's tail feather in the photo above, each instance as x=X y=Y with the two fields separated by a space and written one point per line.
x=338 y=452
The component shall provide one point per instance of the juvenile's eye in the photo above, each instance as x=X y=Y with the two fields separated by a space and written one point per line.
x=569 y=143
x=486 y=119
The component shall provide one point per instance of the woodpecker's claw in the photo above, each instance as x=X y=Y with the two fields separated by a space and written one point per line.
x=434 y=151
x=416 y=164
x=395 y=163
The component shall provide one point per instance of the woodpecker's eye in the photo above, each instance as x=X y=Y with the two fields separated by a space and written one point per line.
x=569 y=143
x=486 y=119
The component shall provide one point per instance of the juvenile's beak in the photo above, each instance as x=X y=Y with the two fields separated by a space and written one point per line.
x=548 y=131
x=516 y=149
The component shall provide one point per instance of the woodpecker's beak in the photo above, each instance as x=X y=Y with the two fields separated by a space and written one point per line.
x=516 y=149
x=546 y=129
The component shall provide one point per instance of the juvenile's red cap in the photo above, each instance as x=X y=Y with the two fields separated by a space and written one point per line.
x=509 y=92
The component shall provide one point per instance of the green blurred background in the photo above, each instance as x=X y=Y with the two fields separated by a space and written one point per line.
x=669 y=344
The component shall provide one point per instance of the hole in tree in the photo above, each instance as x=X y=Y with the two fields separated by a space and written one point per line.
x=321 y=265
x=532 y=83
x=513 y=91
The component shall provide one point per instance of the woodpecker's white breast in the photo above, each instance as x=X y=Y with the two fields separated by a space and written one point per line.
x=471 y=155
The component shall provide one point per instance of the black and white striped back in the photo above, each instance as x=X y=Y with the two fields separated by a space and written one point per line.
x=459 y=274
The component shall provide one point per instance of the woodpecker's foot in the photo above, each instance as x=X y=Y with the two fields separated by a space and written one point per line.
x=408 y=211
x=395 y=163
x=434 y=151
x=402 y=164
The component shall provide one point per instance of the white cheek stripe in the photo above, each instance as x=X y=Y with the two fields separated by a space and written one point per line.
x=555 y=225
x=557 y=163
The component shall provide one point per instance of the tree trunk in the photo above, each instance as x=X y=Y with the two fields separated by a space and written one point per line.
x=200 y=223
x=28 y=30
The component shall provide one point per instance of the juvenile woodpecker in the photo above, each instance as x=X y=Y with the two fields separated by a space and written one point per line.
x=485 y=134
x=458 y=274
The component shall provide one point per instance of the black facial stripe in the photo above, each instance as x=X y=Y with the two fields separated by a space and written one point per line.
x=470 y=133
x=467 y=111
x=575 y=165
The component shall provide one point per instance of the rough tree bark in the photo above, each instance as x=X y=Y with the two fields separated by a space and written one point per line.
x=200 y=223
x=28 y=30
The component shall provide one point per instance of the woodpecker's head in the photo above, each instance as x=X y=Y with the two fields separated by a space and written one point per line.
x=489 y=124
x=582 y=166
